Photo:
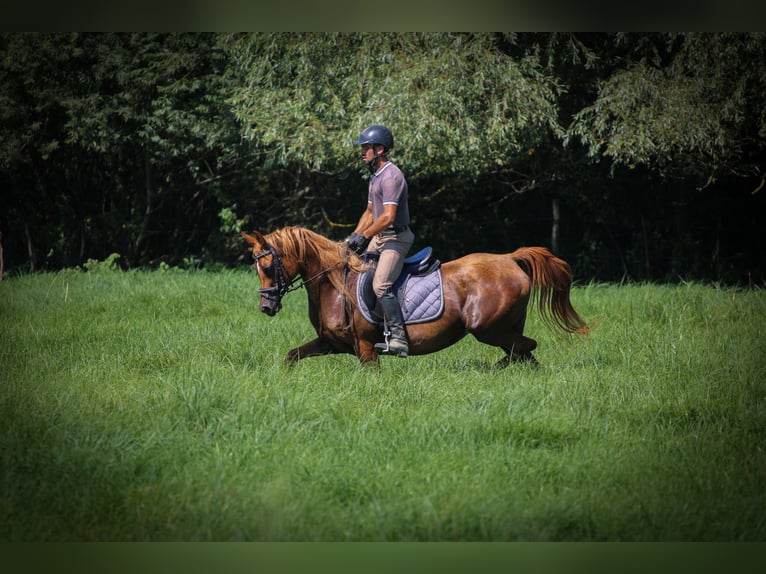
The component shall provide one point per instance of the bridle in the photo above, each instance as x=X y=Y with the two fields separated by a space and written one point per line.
x=282 y=287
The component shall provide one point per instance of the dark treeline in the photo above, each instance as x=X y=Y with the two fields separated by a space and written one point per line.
x=633 y=156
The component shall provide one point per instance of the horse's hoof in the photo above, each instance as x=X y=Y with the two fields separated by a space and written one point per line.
x=503 y=363
x=529 y=359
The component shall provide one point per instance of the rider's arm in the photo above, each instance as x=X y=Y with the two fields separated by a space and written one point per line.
x=385 y=221
x=365 y=221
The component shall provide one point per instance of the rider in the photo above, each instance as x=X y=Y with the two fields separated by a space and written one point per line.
x=386 y=225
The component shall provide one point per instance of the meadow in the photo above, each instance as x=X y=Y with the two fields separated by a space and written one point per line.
x=155 y=406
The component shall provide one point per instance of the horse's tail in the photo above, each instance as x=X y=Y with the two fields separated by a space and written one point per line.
x=551 y=282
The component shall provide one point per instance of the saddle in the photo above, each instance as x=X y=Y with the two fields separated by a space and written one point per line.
x=418 y=289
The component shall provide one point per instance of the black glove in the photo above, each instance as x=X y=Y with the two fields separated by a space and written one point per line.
x=357 y=242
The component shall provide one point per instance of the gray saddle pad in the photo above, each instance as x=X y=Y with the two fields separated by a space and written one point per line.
x=421 y=297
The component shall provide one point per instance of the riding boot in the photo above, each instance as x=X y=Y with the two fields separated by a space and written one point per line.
x=396 y=339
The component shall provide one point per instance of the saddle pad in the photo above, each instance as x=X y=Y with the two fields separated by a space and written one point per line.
x=421 y=297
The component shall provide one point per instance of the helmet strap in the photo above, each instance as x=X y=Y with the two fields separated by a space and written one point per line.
x=373 y=165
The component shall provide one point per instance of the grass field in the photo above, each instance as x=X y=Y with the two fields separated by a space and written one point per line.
x=154 y=406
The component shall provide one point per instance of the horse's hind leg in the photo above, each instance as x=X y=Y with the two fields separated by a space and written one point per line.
x=517 y=347
x=511 y=355
x=520 y=352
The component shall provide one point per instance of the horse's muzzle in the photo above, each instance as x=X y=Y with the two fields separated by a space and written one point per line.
x=271 y=300
x=270 y=309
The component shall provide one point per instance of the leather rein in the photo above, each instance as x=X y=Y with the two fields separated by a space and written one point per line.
x=282 y=287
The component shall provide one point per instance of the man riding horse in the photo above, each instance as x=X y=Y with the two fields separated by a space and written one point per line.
x=385 y=224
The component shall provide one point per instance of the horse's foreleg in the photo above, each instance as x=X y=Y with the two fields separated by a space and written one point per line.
x=314 y=348
x=365 y=352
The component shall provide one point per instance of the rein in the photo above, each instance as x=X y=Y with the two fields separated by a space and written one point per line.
x=282 y=287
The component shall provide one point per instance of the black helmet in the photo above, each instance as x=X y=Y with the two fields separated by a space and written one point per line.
x=376 y=135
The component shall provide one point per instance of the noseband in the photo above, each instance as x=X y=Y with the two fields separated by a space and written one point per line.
x=282 y=287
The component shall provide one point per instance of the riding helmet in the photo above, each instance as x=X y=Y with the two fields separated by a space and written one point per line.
x=376 y=135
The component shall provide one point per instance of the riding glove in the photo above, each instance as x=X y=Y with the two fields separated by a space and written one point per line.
x=357 y=242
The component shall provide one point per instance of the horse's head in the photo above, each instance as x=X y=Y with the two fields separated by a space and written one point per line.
x=274 y=273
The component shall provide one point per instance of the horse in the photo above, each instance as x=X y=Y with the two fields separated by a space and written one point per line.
x=484 y=294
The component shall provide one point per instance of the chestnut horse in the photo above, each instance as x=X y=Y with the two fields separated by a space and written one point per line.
x=484 y=294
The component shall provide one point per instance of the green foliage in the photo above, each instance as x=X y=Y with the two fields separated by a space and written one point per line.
x=695 y=104
x=642 y=117
x=230 y=223
x=162 y=147
x=154 y=406
x=108 y=264
x=455 y=102
x=114 y=134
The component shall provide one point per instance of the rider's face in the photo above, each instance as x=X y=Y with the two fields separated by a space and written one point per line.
x=368 y=153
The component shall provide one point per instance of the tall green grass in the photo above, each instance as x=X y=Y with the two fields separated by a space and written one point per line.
x=154 y=406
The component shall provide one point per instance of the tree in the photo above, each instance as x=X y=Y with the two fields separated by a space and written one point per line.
x=460 y=104
x=679 y=121
x=688 y=104
x=460 y=109
x=113 y=142
x=632 y=155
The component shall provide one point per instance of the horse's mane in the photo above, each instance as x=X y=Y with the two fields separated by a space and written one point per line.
x=302 y=244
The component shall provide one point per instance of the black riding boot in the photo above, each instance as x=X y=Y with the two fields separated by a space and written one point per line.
x=396 y=342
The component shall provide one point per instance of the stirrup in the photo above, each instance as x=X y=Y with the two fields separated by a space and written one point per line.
x=385 y=348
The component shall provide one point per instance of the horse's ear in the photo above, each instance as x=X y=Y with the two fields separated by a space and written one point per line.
x=254 y=238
